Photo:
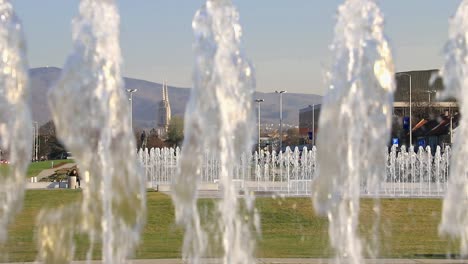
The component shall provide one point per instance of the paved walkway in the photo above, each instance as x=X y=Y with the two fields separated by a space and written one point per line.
x=46 y=173
x=293 y=261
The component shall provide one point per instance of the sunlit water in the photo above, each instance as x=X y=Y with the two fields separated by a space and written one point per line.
x=91 y=113
x=219 y=118
x=15 y=116
x=354 y=123
x=455 y=74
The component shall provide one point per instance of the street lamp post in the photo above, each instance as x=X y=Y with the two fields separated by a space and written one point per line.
x=131 y=92
x=259 y=101
x=451 y=129
x=36 y=139
x=429 y=92
x=410 y=112
x=281 y=118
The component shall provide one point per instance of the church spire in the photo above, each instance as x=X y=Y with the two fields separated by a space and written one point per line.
x=164 y=115
x=164 y=91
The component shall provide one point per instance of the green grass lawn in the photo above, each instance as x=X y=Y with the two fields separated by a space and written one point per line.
x=35 y=168
x=408 y=228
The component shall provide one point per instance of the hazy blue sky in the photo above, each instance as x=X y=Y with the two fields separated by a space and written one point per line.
x=287 y=40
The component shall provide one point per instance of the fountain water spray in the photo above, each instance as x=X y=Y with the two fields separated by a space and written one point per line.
x=455 y=75
x=15 y=117
x=292 y=174
x=219 y=118
x=91 y=114
x=354 y=124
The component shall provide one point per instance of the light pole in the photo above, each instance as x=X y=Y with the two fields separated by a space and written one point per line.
x=36 y=139
x=281 y=118
x=451 y=129
x=429 y=92
x=259 y=101
x=313 y=124
x=410 y=112
x=131 y=91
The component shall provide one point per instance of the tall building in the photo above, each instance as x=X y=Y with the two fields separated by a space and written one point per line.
x=433 y=120
x=164 y=113
x=309 y=122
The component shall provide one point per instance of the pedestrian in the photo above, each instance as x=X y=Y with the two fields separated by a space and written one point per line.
x=78 y=179
x=74 y=172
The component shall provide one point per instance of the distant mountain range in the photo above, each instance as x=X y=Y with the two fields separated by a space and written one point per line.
x=146 y=99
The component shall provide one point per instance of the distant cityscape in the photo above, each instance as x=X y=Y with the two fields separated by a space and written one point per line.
x=432 y=122
x=146 y=101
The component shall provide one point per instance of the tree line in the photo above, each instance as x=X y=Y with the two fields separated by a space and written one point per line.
x=50 y=146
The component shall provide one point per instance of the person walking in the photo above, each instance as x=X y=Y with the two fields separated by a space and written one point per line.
x=74 y=172
x=78 y=180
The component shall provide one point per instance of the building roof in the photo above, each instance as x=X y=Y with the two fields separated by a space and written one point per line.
x=309 y=108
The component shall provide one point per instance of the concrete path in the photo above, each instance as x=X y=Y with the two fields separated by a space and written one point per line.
x=293 y=261
x=46 y=173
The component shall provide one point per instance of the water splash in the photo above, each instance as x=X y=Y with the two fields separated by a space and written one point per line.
x=15 y=116
x=91 y=113
x=455 y=75
x=219 y=118
x=355 y=120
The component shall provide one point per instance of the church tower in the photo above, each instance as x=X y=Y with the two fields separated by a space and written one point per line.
x=164 y=115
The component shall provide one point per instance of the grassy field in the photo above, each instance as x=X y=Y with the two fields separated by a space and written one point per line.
x=36 y=167
x=408 y=228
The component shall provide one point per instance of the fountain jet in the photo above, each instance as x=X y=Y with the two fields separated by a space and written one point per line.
x=15 y=116
x=455 y=75
x=92 y=117
x=219 y=118
x=354 y=124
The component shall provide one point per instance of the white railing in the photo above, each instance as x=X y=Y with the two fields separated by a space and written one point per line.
x=408 y=173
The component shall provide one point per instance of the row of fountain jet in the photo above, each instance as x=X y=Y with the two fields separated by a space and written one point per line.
x=408 y=173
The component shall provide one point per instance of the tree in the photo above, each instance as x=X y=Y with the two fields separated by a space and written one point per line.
x=152 y=139
x=175 y=132
x=49 y=145
x=155 y=142
x=48 y=128
x=293 y=137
